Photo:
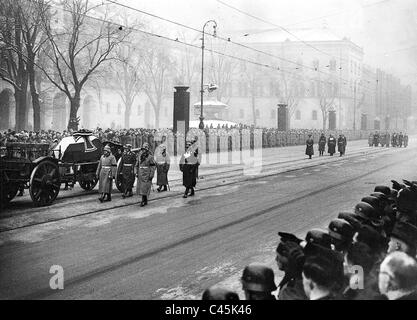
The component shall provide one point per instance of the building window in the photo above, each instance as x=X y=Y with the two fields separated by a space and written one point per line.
x=257 y=114
x=314 y=115
x=298 y=115
x=108 y=107
x=241 y=113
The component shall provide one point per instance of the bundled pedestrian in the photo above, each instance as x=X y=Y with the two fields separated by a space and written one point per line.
x=145 y=171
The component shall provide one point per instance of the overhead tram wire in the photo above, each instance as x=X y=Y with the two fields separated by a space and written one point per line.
x=236 y=43
x=293 y=74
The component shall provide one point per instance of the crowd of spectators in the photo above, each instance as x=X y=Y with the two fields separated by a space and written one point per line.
x=366 y=254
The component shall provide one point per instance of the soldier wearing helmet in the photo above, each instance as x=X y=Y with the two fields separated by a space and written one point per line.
x=106 y=171
x=258 y=282
x=127 y=162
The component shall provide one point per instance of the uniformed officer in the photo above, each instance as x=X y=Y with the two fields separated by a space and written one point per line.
x=376 y=139
x=106 y=171
x=400 y=139
x=341 y=144
x=145 y=171
x=331 y=145
x=162 y=160
x=341 y=233
x=322 y=144
x=188 y=167
x=405 y=140
x=309 y=146
x=258 y=282
x=290 y=259
x=128 y=161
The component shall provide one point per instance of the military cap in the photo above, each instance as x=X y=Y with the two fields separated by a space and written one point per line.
x=219 y=294
x=384 y=189
x=258 y=277
x=320 y=237
x=368 y=235
x=107 y=148
x=380 y=196
x=341 y=230
x=375 y=203
x=366 y=211
x=282 y=247
x=406 y=232
x=407 y=199
x=351 y=218
x=397 y=186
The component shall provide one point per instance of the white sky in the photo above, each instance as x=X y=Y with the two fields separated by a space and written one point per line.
x=386 y=29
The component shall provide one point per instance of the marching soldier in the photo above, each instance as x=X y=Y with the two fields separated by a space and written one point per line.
x=188 y=166
x=322 y=144
x=376 y=139
x=341 y=145
x=400 y=139
x=405 y=140
x=145 y=171
x=331 y=145
x=128 y=161
x=106 y=171
x=162 y=160
x=309 y=146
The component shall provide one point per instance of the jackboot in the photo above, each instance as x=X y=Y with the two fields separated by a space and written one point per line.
x=185 y=193
x=192 y=192
x=165 y=188
x=101 y=198
x=144 y=201
x=108 y=197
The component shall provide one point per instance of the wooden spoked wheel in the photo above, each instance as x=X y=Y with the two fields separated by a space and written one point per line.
x=44 y=183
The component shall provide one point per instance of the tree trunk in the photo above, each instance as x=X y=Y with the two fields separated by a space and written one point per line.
x=128 y=109
x=75 y=105
x=253 y=109
x=35 y=98
x=156 y=110
x=21 y=108
x=324 y=114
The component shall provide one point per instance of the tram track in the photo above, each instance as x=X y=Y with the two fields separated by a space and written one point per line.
x=173 y=194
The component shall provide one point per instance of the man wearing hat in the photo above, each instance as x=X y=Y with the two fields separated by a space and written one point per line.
x=290 y=259
x=214 y=293
x=403 y=238
x=106 y=171
x=331 y=145
x=162 y=160
x=310 y=146
x=188 y=167
x=322 y=274
x=258 y=282
x=322 y=144
x=128 y=161
x=341 y=144
x=145 y=171
x=341 y=233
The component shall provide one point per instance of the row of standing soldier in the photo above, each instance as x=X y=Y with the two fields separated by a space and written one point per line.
x=384 y=139
x=331 y=144
x=143 y=166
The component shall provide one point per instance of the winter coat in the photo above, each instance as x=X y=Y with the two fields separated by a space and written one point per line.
x=106 y=171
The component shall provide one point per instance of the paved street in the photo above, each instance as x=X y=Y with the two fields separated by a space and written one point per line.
x=175 y=248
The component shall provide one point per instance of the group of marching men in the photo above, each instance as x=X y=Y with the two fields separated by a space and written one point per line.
x=331 y=145
x=143 y=166
x=384 y=139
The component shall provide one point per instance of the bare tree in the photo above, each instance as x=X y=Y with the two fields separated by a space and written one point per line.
x=288 y=92
x=128 y=81
x=13 y=66
x=326 y=94
x=154 y=70
x=187 y=65
x=251 y=75
x=79 y=48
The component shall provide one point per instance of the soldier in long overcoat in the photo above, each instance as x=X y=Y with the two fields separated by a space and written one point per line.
x=322 y=144
x=309 y=146
x=341 y=145
x=331 y=145
x=145 y=171
x=106 y=171
x=162 y=160
x=188 y=167
x=128 y=161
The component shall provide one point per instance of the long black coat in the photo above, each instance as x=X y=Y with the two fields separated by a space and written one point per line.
x=188 y=166
x=331 y=145
x=322 y=143
x=309 y=147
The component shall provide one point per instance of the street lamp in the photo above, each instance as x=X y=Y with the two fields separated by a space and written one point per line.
x=201 y=125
